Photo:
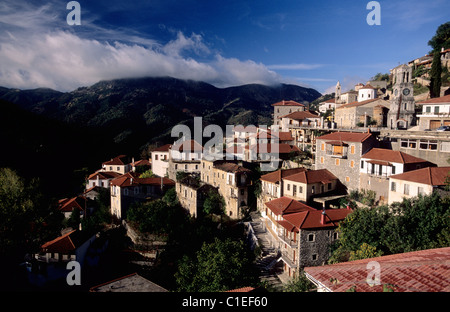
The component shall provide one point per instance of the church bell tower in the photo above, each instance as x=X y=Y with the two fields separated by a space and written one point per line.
x=402 y=109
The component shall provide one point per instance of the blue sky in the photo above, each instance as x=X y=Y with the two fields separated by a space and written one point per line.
x=226 y=43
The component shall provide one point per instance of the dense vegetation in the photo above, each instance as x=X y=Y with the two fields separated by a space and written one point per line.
x=413 y=224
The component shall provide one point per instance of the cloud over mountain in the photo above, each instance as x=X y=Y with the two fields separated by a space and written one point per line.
x=43 y=51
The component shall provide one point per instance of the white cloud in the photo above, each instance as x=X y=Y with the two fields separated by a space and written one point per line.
x=40 y=51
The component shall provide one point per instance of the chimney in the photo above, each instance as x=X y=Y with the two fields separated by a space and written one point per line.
x=322 y=218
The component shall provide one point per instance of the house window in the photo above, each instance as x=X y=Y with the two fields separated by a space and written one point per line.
x=311 y=237
x=313 y=189
x=196 y=167
x=408 y=143
x=335 y=235
x=428 y=109
x=362 y=164
x=393 y=169
x=156 y=157
x=314 y=257
x=329 y=186
x=393 y=186
x=352 y=149
x=428 y=145
x=321 y=160
x=420 y=191
x=337 y=161
x=300 y=189
x=288 y=187
x=242 y=191
x=406 y=189
x=352 y=164
x=347 y=179
x=322 y=147
x=118 y=168
x=436 y=109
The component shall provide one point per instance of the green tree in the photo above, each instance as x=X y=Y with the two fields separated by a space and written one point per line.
x=23 y=214
x=364 y=252
x=147 y=174
x=218 y=266
x=442 y=38
x=435 y=75
x=299 y=284
x=214 y=203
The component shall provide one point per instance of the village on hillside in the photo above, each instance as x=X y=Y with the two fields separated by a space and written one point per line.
x=375 y=145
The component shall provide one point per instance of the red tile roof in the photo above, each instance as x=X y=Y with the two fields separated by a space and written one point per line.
x=417 y=271
x=129 y=179
x=287 y=103
x=285 y=205
x=103 y=175
x=438 y=100
x=69 y=204
x=276 y=176
x=242 y=289
x=435 y=176
x=300 y=115
x=346 y=136
x=392 y=156
x=189 y=146
x=312 y=219
x=313 y=176
x=116 y=161
x=356 y=103
x=230 y=167
x=164 y=148
x=62 y=244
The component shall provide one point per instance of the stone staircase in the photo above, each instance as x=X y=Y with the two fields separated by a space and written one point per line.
x=268 y=264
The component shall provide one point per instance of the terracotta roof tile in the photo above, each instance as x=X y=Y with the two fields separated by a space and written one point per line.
x=417 y=271
x=435 y=176
x=313 y=176
x=346 y=136
x=438 y=100
x=130 y=179
x=164 y=148
x=300 y=115
x=285 y=205
x=116 y=161
x=62 y=244
x=287 y=103
x=230 y=167
x=276 y=176
x=392 y=156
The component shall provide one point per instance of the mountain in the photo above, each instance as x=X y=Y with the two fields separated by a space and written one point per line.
x=63 y=136
x=136 y=112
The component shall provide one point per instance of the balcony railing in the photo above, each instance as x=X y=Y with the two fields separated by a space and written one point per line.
x=288 y=260
x=287 y=240
x=337 y=155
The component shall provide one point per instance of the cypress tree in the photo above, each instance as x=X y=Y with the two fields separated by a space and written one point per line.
x=436 y=71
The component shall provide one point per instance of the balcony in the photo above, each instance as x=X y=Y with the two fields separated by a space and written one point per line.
x=287 y=259
x=333 y=154
x=288 y=241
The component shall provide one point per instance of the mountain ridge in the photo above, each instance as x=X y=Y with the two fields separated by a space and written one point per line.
x=142 y=111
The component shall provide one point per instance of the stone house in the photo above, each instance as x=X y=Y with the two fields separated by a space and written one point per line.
x=379 y=164
x=341 y=152
x=192 y=193
x=308 y=184
x=421 y=181
x=303 y=235
x=357 y=113
x=185 y=157
x=283 y=108
x=435 y=113
x=232 y=181
x=129 y=188
x=272 y=185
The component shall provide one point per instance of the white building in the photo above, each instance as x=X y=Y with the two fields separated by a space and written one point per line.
x=160 y=160
x=435 y=113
